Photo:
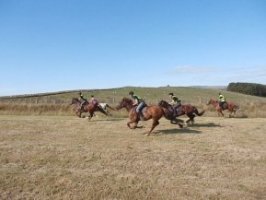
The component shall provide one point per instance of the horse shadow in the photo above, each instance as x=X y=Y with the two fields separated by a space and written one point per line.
x=209 y=125
x=104 y=119
x=178 y=131
x=114 y=119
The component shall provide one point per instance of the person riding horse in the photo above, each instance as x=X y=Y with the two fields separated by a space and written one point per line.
x=175 y=102
x=83 y=101
x=93 y=100
x=222 y=101
x=139 y=102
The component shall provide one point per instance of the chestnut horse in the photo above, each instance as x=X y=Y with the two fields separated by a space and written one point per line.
x=230 y=106
x=185 y=109
x=87 y=107
x=150 y=112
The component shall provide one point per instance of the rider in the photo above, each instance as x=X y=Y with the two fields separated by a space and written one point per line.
x=93 y=100
x=175 y=102
x=140 y=103
x=221 y=100
x=82 y=100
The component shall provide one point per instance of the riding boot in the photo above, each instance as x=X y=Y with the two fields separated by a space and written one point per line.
x=140 y=115
x=174 y=112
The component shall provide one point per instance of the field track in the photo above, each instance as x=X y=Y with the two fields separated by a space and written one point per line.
x=50 y=157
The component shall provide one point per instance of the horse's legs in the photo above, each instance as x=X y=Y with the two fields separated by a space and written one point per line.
x=180 y=123
x=177 y=121
x=90 y=115
x=230 y=114
x=78 y=114
x=191 y=118
x=220 y=112
x=154 y=124
x=132 y=122
x=129 y=126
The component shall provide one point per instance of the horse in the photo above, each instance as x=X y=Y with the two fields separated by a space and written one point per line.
x=230 y=106
x=153 y=112
x=185 y=109
x=105 y=107
x=87 y=107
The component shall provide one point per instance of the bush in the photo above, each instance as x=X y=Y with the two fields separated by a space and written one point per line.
x=248 y=88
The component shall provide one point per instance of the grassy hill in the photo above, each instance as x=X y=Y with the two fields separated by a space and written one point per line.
x=57 y=103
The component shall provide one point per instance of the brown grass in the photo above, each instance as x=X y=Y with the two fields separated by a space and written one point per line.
x=35 y=109
x=247 y=109
x=69 y=158
x=57 y=103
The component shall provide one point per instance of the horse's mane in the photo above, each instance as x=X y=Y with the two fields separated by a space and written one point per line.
x=75 y=100
x=127 y=100
x=163 y=102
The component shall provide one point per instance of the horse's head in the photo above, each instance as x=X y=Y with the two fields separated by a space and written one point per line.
x=164 y=104
x=125 y=103
x=75 y=101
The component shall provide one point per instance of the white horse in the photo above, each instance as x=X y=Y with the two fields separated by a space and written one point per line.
x=105 y=107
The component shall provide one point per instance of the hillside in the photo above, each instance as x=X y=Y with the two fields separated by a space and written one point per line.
x=251 y=106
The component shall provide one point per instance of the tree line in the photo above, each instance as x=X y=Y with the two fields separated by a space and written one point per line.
x=248 y=88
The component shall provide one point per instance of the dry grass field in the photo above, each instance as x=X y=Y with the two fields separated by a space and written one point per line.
x=58 y=103
x=63 y=157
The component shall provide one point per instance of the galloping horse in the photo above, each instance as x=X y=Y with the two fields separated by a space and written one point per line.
x=150 y=112
x=230 y=106
x=185 y=109
x=87 y=107
x=105 y=107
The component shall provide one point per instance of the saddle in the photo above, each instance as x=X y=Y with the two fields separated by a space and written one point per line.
x=82 y=104
x=177 y=110
x=224 y=106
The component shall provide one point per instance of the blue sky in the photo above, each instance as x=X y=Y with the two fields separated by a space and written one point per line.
x=57 y=45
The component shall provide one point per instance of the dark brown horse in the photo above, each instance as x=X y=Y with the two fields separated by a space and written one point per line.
x=185 y=109
x=230 y=106
x=87 y=107
x=150 y=112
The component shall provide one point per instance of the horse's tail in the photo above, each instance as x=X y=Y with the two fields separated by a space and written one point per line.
x=197 y=112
